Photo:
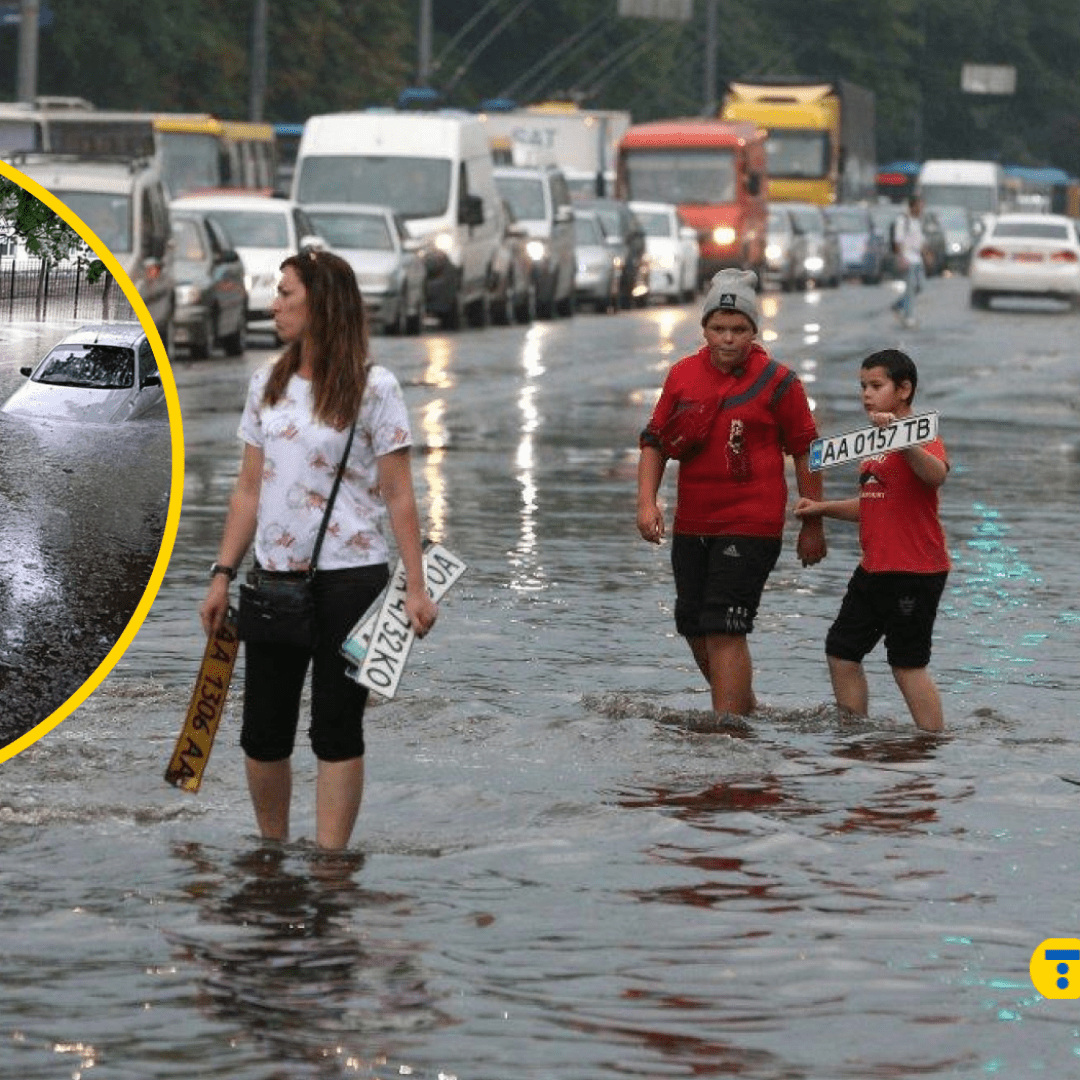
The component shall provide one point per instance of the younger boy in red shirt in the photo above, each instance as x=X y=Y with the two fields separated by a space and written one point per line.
x=896 y=587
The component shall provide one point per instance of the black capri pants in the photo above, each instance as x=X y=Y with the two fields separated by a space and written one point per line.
x=274 y=676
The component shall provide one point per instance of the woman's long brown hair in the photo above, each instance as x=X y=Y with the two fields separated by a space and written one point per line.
x=338 y=333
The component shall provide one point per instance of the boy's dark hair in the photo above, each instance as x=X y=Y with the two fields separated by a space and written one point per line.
x=899 y=366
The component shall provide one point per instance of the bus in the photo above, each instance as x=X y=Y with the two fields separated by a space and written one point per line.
x=197 y=152
x=715 y=172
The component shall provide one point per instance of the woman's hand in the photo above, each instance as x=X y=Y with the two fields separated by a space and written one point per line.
x=216 y=605
x=421 y=610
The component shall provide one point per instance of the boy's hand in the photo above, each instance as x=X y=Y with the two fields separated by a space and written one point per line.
x=650 y=522
x=882 y=419
x=807 y=509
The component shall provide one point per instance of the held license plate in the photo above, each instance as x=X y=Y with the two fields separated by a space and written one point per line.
x=866 y=442
x=378 y=646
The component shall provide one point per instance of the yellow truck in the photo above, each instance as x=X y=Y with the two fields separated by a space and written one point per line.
x=821 y=145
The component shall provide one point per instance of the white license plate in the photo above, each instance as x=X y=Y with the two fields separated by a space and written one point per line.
x=866 y=442
x=379 y=645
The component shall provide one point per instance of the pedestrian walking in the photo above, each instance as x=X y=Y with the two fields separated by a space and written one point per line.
x=318 y=401
x=909 y=246
x=895 y=589
x=729 y=413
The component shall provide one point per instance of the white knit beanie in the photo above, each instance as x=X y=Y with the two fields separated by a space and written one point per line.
x=732 y=290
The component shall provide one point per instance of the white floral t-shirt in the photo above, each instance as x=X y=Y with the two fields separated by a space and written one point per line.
x=300 y=458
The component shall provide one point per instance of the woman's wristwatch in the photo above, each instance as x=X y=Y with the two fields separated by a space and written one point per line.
x=221 y=568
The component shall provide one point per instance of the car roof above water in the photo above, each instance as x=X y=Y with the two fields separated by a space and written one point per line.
x=110 y=333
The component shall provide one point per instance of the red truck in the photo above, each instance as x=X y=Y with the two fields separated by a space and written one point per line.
x=715 y=172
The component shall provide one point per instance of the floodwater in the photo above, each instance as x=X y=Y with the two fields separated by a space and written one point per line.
x=82 y=515
x=564 y=869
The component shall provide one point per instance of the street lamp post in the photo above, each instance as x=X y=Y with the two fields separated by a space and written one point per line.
x=28 y=50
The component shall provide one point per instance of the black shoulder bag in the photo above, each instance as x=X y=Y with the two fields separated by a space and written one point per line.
x=278 y=606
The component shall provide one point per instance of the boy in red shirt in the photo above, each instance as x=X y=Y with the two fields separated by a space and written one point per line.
x=732 y=493
x=896 y=587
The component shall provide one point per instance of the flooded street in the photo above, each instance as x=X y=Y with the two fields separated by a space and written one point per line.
x=563 y=870
x=82 y=514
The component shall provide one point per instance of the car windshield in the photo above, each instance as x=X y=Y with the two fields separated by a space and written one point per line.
x=587 y=230
x=655 y=223
x=188 y=240
x=253 y=228
x=368 y=232
x=807 y=221
x=415 y=187
x=108 y=215
x=1031 y=230
x=191 y=161
x=952 y=217
x=979 y=198
x=797 y=154
x=686 y=177
x=849 y=221
x=96 y=367
x=525 y=194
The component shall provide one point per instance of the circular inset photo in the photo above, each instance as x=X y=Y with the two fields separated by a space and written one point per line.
x=91 y=444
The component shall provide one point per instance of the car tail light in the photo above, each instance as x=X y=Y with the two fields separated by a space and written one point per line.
x=990 y=253
x=1064 y=257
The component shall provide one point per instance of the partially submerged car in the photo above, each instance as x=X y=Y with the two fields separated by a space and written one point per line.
x=101 y=373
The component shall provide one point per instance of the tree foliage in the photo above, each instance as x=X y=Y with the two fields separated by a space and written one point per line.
x=194 y=55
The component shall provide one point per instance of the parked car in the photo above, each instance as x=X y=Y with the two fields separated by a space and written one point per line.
x=126 y=206
x=1027 y=255
x=672 y=248
x=266 y=231
x=780 y=253
x=101 y=373
x=625 y=233
x=211 y=298
x=513 y=290
x=387 y=262
x=540 y=201
x=959 y=228
x=599 y=264
x=862 y=248
x=817 y=247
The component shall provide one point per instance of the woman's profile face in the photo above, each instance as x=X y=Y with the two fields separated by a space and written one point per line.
x=290 y=307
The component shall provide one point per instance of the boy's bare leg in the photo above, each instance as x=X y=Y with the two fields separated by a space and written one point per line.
x=701 y=655
x=270 y=785
x=922 y=697
x=849 y=685
x=730 y=673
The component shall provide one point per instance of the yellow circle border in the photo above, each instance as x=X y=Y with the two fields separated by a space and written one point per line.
x=176 y=487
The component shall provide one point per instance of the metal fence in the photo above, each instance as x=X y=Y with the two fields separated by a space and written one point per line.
x=32 y=290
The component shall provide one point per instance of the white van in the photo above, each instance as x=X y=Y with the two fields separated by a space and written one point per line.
x=435 y=170
x=976 y=185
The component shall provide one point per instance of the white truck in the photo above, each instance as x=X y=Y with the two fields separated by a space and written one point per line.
x=582 y=142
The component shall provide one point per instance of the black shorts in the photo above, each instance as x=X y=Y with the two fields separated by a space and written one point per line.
x=274 y=676
x=719 y=581
x=901 y=607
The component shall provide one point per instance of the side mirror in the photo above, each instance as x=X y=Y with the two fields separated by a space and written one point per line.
x=471 y=210
x=753 y=183
x=26 y=371
x=313 y=243
x=564 y=215
x=687 y=232
x=153 y=379
x=229 y=255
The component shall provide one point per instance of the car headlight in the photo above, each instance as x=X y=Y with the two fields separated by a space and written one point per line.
x=724 y=235
x=773 y=252
x=814 y=263
x=187 y=295
x=666 y=261
x=536 y=250
x=444 y=242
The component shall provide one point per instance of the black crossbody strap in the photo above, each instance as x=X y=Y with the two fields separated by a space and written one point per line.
x=330 y=501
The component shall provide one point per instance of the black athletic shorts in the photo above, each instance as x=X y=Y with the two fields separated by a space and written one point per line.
x=274 y=676
x=719 y=581
x=900 y=606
